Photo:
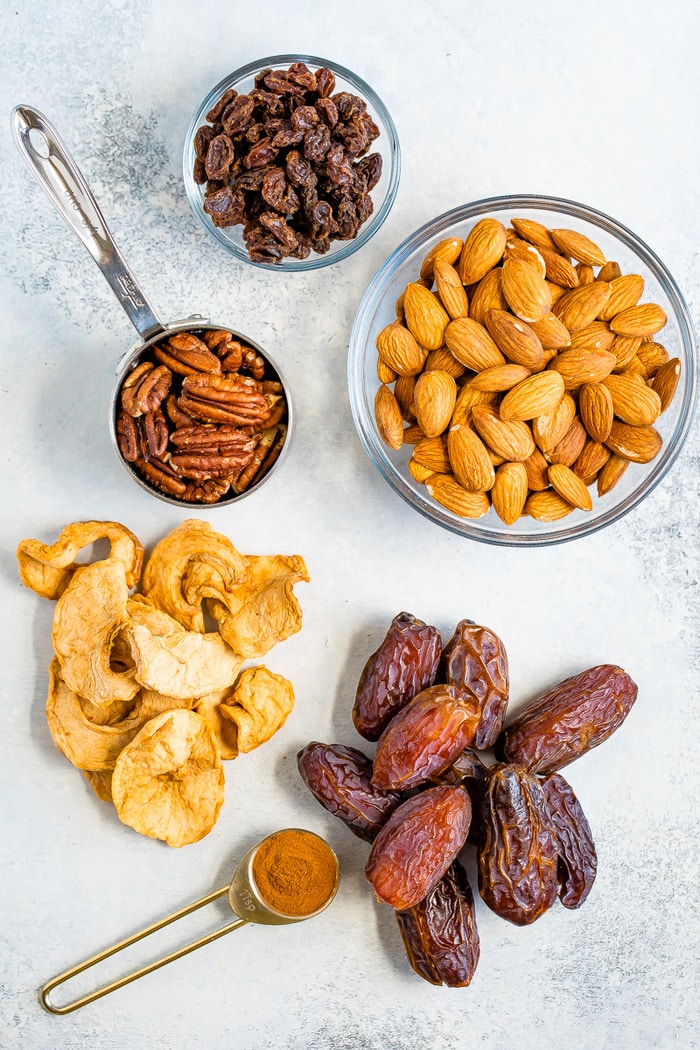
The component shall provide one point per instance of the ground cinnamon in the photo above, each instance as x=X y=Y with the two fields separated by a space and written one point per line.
x=295 y=872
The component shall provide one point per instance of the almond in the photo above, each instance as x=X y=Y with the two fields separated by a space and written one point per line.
x=516 y=248
x=509 y=492
x=548 y=430
x=665 y=381
x=483 y=249
x=525 y=291
x=559 y=270
x=446 y=490
x=399 y=350
x=653 y=356
x=536 y=396
x=431 y=452
x=472 y=345
x=625 y=291
x=585 y=273
x=512 y=439
x=570 y=487
x=624 y=347
x=643 y=320
x=640 y=444
x=418 y=472
x=499 y=378
x=413 y=434
x=633 y=402
x=426 y=318
x=593 y=456
x=467 y=398
x=610 y=473
x=447 y=250
x=488 y=295
x=537 y=468
x=609 y=272
x=469 y=458
x=595 y=405
x=434 y=401
x=571 y=445
x=596 y=336
x=451 y=290
x=403 y=392
x=385 y=374
x=515 y=339
x=580 y=307
x=445 y=361
x=534 y=232
x=579 y=247
x=388 y=417
x=582 y=366
x=547 y=506
x=551 y=332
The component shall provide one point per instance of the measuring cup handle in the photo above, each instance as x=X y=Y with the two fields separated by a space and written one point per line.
x=58 y=174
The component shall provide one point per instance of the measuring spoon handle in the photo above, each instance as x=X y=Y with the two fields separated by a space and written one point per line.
x=58 y=174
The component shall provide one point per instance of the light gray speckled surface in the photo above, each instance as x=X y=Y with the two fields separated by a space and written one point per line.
x=595 y=102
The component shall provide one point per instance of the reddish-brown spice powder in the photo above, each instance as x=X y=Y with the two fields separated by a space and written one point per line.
x=295 y=872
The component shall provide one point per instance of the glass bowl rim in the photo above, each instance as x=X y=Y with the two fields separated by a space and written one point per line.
x=392 y=154
x=364 y=420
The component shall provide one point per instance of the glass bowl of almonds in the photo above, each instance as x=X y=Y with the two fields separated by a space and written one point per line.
x=522 y=370
x=291 y=162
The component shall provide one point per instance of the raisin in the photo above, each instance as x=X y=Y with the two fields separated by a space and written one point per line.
x=325 y=82
x=317 y=141
x=202 y=139
x=440 y=933
x=577 y=864
x=475 y=661
x=219 y=157
x=424 y=737
x=405 y=663
x=417 y=844
x=339 y=778
x=274 y=187
x=304 y=118
x=225 y=207
x=338 y=167
x=238 y=115
x=218 y=107
x=371 y=167
x=327 y=111
x=299 y=170
x=568 y=720
x=518 y=855
x=261 y=154
x=348 y=105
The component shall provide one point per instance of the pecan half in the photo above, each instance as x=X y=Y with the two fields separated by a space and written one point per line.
x=266 y=452
x=187 y=355
x=145 y=388
x=162 y=477
x=224 y=399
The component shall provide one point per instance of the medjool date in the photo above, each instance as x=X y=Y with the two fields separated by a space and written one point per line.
x=578 y=862
x=475 y=660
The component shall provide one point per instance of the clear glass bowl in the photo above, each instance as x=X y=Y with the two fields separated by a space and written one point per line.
x=383 y=194
x=377 y=309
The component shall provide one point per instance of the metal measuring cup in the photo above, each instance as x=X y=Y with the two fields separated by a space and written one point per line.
x=59 y=176
x=244 y=899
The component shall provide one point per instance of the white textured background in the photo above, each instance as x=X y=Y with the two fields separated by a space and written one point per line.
x=597 y=102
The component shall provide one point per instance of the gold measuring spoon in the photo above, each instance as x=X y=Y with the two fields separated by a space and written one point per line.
x=278 y=866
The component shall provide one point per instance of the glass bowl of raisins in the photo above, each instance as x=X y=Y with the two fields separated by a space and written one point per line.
x=522 y=370
x=291 y=162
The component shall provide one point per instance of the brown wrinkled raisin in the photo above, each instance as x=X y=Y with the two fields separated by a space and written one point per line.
x=518 y=855
x=440 y=934
x=325 y=82
x=219 y=157
x=218 y=108
x=339 y=778
x=417 y=844
x=371 y=167
x=568 y=720
x=262 y=153
x=238 y=115
x=475 y=661
x=578 y=862
x=424 y=737
x=404 y=664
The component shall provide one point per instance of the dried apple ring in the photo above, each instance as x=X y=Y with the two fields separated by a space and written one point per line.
x=48 y=569
x=258 y=706
x=168 y=783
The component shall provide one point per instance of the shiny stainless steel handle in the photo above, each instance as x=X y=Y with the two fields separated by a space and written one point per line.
x=59 y=176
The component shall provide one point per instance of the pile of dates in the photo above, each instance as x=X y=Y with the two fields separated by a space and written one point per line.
x=427 y=792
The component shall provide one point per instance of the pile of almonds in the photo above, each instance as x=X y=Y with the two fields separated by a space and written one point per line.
x=522 y=368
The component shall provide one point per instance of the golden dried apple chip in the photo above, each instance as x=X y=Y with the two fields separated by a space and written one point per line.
x=48 y=569
x=264 y=609
x=88 y=745
x=224 y=730
x=173 y=661
x=100 y=780
x=258 y=705
x=168 y=783
x=191 y=563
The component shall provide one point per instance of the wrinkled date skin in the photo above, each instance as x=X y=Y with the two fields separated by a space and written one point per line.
x=518 y=856
x=424 y=737
x=405 y=663
x=440 y=934
x=578 y=863
x=339 y=778
x=475 y=661
x=417 y=844
x=568 y=720
x=469 y=771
